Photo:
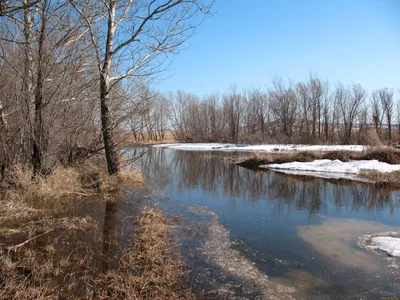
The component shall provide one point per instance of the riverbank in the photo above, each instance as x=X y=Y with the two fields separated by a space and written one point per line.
x=375 y=165
x=53 y=246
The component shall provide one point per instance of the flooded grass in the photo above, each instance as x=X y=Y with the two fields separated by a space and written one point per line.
x=48 y=251
x=150 y=268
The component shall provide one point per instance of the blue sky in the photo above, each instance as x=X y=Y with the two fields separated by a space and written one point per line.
x=248 y=43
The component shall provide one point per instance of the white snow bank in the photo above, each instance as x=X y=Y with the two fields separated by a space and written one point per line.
x=325 y=175
x=264 y=147
x=388 y=242
x=335 y=166
x=390 y=245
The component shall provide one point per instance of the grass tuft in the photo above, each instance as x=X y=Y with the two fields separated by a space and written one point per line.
x=150 y=268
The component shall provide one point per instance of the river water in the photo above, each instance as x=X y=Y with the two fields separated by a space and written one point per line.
x=298 y=232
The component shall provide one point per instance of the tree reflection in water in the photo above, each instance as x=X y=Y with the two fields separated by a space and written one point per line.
x=208 y=171
x=109 y=239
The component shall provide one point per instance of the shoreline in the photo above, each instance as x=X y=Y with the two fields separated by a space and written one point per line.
x=59 y=238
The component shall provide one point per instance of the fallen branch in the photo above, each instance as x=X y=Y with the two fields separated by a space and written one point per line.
x=16 y=247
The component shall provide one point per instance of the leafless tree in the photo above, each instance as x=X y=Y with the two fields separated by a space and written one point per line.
x=233 y=108
x=132 y=39
x=386 y=98
x=283 y=105
x=8 y=7
x=377 y=112
x=349 y=101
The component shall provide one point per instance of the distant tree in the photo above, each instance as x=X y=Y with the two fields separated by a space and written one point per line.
x=349 y=101
x=386 y=98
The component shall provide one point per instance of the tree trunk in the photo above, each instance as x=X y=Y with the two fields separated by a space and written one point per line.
x=106 y=115
x=4 y=143
x=27 y=78
x=37 y=155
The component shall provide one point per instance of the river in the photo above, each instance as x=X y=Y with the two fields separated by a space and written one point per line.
x=295 y=232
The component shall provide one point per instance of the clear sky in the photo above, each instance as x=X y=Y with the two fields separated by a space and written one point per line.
x=249 y=42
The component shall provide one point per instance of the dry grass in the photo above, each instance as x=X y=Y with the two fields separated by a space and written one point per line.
x=47 y=253
x=127 y=139
x=48 y=192
x=390 y=180
x=132 y=178
x=149 y=268
x=40 y=243
x=59 y=263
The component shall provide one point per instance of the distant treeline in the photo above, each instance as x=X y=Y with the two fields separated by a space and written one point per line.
x=302 y=112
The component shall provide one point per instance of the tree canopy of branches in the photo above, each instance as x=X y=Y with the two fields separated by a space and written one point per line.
x=73 y=71
x=132 y=39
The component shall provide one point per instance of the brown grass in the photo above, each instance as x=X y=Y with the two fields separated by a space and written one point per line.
x=47 y=192
x=132 y=178
x=127 y=139
x=390 y=180
x=46 y=252
x=149 y=268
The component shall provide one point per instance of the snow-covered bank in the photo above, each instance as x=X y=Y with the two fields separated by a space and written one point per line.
x=386 y=242
x=326 y=175
x=261 y=148
x=390 y=245
x=327 y=166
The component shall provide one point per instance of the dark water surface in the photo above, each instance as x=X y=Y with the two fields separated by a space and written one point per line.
x=300 y=231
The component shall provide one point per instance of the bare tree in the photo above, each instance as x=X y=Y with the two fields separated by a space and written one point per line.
x=386 y=98
x=131 y=39
x=349 y=101
x=377 y=113
x=10 y=7
x=283 y=106
x=233 y=108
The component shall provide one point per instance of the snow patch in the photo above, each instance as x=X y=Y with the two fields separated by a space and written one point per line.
x=262 y=147
x=336 y=166
x=386 y=242
x=325 y=175
x=390 y=245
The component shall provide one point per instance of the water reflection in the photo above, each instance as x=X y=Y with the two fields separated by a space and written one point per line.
x=298 y=230
x=335 y=239
x=209 y=173
x=109 y=239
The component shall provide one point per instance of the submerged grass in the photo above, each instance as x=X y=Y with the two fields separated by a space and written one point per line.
x=47 y=252
x=150 y=268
